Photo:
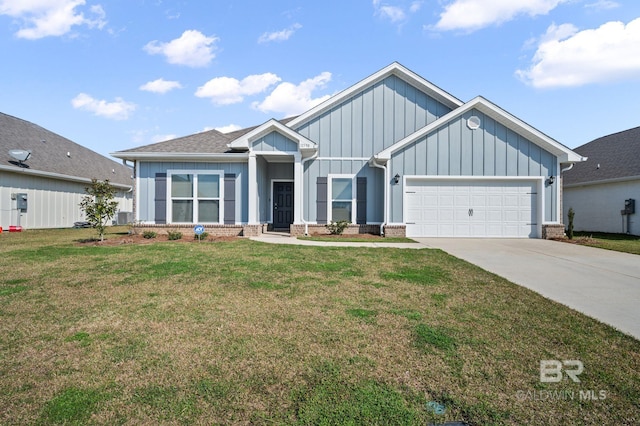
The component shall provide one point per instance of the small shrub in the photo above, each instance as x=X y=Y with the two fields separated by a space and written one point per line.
x=202 y=236
x=149 y=234
x=571 y=214
x=337 y=228
x=174 y=235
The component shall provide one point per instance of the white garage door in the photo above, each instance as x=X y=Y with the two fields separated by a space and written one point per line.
x=445 y=208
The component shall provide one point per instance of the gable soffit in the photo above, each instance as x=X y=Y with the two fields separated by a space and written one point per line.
x=564 y=154
x=394 y=69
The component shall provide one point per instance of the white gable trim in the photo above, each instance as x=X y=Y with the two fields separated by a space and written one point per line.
x=394 y=69
x=244 y=141
x=564 y=154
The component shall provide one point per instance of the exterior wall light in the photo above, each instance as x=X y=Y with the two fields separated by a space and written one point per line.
x=551 y=180
x=396 y=179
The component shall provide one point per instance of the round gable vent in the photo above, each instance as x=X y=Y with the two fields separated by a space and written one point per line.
x=473 y=122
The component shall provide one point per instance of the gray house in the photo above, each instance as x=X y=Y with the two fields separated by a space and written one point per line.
x=43 y=176
x=393 y=154
x=604 y=190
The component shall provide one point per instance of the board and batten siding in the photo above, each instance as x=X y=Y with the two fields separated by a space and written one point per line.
x=456 y=150
x=359 y=168
x=372 y=120
x=146 y=184
x=274 y=141
x=51 y=203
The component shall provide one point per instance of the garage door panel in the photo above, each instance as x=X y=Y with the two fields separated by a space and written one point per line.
x=500 y=208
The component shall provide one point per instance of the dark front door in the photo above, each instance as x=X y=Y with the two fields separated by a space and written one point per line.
x=282 y=204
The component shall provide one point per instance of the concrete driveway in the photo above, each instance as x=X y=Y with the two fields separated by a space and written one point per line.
x=602 y=284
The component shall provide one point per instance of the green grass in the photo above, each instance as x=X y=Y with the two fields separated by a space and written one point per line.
x=617 y=242
x=247 y=333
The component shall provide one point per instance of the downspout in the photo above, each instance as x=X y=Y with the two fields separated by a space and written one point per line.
x=373 y=163
x=566 y=169
x=306 y=224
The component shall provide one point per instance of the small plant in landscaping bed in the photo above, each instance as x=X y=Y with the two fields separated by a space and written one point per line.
x=149 y=234
x=337 y=228
x=202 y=236
x=571 y=214
x=174 y=235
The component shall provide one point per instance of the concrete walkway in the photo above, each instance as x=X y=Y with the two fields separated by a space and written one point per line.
x=602 y=284
x=282 y=238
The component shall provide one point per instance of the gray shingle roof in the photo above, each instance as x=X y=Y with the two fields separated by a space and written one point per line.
x=209 y=142
x=618 y=156
x=49 y=153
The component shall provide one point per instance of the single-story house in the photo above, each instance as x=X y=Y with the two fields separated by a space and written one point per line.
x=43 y=177
x=604 y=190
x=392 y=154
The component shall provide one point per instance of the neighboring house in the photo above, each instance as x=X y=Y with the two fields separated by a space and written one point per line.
x=597 y=190
x=45 y=190
x=393 y=154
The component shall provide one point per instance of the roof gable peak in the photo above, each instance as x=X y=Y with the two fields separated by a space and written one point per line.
x=396 y=69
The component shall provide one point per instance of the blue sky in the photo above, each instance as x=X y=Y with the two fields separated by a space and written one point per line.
x=112 y=75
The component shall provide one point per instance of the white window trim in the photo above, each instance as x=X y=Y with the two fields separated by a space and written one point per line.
x=354 y=204
x=195 y=173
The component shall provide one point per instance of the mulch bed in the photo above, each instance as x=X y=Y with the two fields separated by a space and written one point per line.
x=139 y=239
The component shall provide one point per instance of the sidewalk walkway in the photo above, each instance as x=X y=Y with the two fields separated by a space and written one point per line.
x=280 y=238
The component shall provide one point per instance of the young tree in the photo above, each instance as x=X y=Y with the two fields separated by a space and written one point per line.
x=98 y=205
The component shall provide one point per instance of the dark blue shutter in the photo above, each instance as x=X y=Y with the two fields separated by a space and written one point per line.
x=361 y=200
x=229 y=199
x=321 y=200
x=161 y=199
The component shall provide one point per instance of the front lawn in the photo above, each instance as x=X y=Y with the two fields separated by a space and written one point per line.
x=618 y=242
x=251 y=333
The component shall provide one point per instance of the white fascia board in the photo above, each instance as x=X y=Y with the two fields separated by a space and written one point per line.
x=244 y=141
x=52 y=175
x=564 y=154
x=181 y=156
x=394 y=69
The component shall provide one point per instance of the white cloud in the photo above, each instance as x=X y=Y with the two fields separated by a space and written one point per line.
x=228 y=90
x=471 y=15
x=392 y=13
x=396 y=14
x=192 y=49
x=45 y=18
x=292 y=99
x=279 y=35
x=117 y=110
x=228 y=128
x=566 y=57
x=602 y=5
x=160 y=86
x=415 y=6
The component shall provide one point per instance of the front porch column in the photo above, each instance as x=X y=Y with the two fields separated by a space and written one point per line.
x=253 y=189
x=297 y=189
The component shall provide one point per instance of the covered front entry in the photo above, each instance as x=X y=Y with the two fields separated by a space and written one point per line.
x=471 y=208
x=282 y=205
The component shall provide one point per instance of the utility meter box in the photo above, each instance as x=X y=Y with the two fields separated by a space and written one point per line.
x=630 y=206
x=21 y=202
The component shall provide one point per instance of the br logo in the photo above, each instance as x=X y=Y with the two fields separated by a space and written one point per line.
x=551 y=370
